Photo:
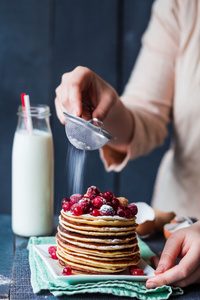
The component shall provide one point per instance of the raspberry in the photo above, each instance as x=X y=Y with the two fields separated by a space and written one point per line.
x=106 y=210
x=128 y=213
x=133 y=209
x=93 y=192
x=95 y=212
x=98 y=201
x=76 y=209
x=108 y=195
x=66 y=206
x=85 y=204
x=75 y=198
x=120 y=212
x=64 y=200
x=115 y=203
x=67 y=271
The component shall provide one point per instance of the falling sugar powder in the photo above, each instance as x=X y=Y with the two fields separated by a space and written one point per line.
x=75 y=164
x=4 y=280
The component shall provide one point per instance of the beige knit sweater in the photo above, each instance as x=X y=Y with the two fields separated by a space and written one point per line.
x=165 y=86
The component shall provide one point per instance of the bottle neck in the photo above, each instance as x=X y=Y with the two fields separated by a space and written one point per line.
x=36 y=119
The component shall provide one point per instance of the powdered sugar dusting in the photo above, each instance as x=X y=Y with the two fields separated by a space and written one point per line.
x=4 y=280
x=75 y=165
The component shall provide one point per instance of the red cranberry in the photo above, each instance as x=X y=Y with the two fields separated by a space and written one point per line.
x=75 y=198
x=85 y=204
x=128 y=213
x=136 y=271
x=76 y=209
x=108 y=195
x=64 y=200
x=133 y=209
x=93 y=192
x=53 y=255
x=52 y=249
x=66 y=206
x=91 y=209
x=106 y=210
x=98 y=201
x=115 y=203
x=122 y=207
x=67 y=271
x=95 y=212
x=120 y=212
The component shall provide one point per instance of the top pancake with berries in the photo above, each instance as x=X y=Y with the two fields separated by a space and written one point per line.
x=97 y=204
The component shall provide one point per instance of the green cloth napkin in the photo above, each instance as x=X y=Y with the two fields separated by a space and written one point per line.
x=42 y=279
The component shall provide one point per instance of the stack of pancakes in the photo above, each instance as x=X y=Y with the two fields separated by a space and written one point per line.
x=96 y=245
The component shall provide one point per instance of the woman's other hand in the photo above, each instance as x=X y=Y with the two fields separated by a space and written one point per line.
x=184 y=244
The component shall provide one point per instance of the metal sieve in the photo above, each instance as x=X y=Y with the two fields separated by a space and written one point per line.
x=86 y=135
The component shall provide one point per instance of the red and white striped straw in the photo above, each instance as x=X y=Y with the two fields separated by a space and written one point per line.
x=27 y=112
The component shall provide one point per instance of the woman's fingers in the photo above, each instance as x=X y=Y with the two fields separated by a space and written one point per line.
x=176 y=276
x=59 y=111
x=170 y=253
x=70 y=92
x=184 y=243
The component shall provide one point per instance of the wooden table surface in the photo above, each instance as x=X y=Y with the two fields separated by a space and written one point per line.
x=15 y=272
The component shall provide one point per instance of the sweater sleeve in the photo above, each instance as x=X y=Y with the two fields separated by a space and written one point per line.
x=150 y=89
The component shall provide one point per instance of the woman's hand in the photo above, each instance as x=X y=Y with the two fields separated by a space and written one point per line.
x=83 y=85
x=184 y=243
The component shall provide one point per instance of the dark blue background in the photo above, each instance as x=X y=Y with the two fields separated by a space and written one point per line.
x=39 y=41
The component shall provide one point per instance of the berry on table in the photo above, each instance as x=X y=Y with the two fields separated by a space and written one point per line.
x=52 y=252
x=51 y=249
x=134 y=270
x=53 y=255
x=67 y=271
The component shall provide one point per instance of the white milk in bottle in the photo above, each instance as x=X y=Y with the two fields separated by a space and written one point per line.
x=33 y=174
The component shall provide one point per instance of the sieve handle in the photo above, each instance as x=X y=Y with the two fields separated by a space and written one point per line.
x=100 y=123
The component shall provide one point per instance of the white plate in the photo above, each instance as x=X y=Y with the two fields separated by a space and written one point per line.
x=56 y=269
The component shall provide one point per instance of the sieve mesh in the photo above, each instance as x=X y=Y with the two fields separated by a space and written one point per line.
x=84 y=134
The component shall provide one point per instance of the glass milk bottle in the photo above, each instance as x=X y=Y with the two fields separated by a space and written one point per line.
x=33 y=174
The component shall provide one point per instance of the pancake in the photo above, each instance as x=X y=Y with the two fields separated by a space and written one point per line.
x=102 y=241
x=95 y=230
x=97 y=239
x=96 y=252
